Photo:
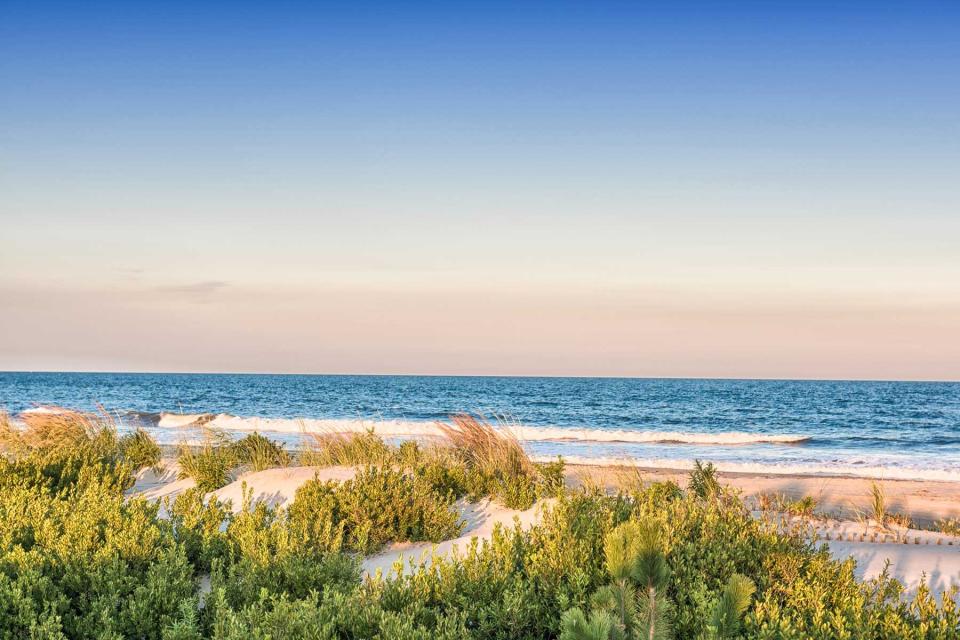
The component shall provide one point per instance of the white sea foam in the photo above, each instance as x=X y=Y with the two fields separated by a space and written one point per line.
x=409 y=428
x=43 y=410
x=175 y=420
x=808 y=469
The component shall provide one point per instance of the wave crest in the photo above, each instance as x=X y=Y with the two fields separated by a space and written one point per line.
x=409 y=428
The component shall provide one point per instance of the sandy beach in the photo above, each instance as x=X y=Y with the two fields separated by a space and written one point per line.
x=915 y=553
x=924 y=501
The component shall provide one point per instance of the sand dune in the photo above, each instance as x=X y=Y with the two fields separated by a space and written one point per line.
x=910 y=564
x=481 y=520
x=277 y=487
x=925 y=501
x=926 y=555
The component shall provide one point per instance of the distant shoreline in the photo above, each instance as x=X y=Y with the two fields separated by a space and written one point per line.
x=559 y=376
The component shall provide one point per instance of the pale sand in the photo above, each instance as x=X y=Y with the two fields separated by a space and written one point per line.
x=481 y=519
x=847 y=500
x=924 y=501
x=909 y=564
x=276 y=487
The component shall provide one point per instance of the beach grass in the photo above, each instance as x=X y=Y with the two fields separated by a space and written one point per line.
x=649 y=559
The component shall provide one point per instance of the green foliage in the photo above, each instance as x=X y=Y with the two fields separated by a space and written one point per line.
x=139 y=450
x=84 y=562
x=635 y=601
x=347 y=449
x=209 y=467
x=58 y=451
x=200 y=527
x=574 y=625
x=378 y=505
x=80 y=560
x=210 y=464
x=477 y=461
x=259 y=453
x=703 y=480
x=496 y=464
x=803 y=507
x=733 y=603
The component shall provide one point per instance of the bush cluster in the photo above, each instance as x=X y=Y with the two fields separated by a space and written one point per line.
x=78 y=559
x=211 y=463
x=476 y=460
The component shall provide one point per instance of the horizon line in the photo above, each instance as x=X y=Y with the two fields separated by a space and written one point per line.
x=480 y=375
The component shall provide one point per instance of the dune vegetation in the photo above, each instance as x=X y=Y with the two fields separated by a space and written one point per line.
x=82 y=557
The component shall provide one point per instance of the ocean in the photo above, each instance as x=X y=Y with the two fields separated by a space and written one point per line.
x=892 y=430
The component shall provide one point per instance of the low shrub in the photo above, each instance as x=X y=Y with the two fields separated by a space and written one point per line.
x=86 y=563
x=78 y=560
x=475 y=460
x=259 y=453
x=804 y=507
x=328 y=449
x=209 y=467
x=703 y=480
x=57 y=450
x=209 y=463
x=377 y=506
x=139 y=450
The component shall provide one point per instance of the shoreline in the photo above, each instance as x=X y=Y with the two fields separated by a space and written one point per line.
x=924 y=501
x=915 y=554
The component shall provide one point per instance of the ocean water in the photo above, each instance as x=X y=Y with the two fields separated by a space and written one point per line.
x=871 y=429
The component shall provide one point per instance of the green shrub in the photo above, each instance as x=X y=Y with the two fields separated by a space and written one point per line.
x=79 y=560
x=199 y=527
x=209 y=463
x=377 y=506
x=803 y=507
x=139 y=450
x=703 y=480
x=260 y=453
x=327 y=449
x=85 y=562
x=476 y=460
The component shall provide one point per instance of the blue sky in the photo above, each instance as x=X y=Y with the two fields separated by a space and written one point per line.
x=733 y=189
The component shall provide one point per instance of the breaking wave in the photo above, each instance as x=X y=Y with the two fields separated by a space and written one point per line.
x=409 y=428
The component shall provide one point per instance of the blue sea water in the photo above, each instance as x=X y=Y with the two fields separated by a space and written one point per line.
x=876 y=429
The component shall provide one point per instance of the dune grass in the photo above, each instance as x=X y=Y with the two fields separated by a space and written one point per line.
x=81 y=560
x=212 y=462
x=330 y=448
x=56 y=429
x=140 y=450
x=948 y=526
x=878 y=504
x=55 y=448
x=260 y=453
x=474 y=458
x=208 y=463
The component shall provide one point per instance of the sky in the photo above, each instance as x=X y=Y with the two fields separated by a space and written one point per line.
x=594 y=188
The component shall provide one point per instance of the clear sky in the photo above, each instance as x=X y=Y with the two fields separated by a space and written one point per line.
x=654 y=189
